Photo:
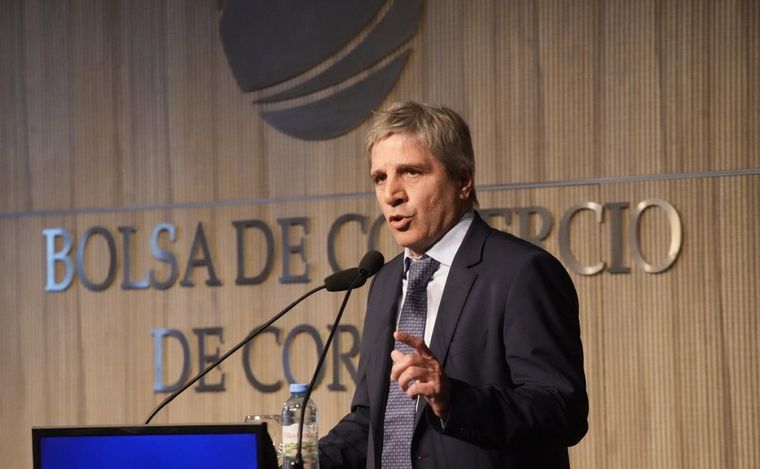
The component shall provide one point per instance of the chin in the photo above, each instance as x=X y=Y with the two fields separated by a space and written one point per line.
x=406 y=242
x=415 y=248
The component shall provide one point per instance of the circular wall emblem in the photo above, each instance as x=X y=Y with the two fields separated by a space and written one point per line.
x=269 y=42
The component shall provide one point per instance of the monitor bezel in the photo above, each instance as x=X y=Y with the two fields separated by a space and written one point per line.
x=258 y=429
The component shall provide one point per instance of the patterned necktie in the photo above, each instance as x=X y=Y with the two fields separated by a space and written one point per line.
x=400 y=409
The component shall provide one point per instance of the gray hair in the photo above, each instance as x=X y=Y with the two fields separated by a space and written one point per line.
x=439 y=130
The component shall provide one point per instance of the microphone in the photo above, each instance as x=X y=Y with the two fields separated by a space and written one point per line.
x=356 y=276
x=340 y=281
x=370 y=264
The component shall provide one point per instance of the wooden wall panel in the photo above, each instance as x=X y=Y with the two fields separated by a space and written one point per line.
x=140 y=91
x=13 y=164
x=125 y=113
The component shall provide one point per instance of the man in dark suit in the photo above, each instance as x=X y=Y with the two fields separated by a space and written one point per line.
x=501 y=384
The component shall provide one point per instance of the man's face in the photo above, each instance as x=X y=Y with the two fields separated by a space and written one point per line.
x=418 y=199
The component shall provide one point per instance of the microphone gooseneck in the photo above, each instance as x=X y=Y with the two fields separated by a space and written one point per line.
x=234 y=349
x=370 y=264
x=340 y=281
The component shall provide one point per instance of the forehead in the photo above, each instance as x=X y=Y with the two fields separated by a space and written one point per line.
x=399 y=150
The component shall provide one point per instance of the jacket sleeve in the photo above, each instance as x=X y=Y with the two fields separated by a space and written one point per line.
x=346 y=444
x=546 y=401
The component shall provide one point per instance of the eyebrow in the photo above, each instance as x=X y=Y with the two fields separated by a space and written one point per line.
x=406 y=167
x=400 y=169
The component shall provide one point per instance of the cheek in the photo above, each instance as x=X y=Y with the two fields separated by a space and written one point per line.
x=438 y=204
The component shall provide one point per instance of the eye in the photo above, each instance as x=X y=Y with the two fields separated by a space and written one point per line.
x=377 y=178
x=413 y=172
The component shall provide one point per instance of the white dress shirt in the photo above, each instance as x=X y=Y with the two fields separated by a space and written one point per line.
x=442 y=251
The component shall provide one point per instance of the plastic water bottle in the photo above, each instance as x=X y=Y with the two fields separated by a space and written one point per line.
x=291 y=415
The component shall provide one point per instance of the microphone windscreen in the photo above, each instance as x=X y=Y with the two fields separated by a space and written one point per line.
x=341 y=281
x=371 y=263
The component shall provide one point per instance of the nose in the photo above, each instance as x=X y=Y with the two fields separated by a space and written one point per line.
x=394 y=193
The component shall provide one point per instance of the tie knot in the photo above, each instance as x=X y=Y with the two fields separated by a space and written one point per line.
x=420 y=271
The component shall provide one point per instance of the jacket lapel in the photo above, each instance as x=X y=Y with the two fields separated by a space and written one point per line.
x=458 y=286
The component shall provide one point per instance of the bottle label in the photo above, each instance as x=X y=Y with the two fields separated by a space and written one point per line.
x=290 y=440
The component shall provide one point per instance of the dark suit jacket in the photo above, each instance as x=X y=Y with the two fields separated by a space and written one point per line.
x=508 y=336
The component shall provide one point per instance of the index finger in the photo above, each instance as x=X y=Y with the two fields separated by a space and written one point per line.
x=414 y=342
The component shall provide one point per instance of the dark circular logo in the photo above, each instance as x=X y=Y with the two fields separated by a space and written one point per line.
x=269 y=42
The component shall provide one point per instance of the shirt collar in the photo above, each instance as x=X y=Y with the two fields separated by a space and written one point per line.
x=446 y=248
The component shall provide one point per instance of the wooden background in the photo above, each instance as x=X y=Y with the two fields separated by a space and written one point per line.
x=125 y=113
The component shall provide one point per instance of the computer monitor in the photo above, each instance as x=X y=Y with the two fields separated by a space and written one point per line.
x=241 y=446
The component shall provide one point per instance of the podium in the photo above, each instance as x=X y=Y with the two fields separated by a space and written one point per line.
x=244 y=446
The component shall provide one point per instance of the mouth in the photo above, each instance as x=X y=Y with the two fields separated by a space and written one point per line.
x=399 y=222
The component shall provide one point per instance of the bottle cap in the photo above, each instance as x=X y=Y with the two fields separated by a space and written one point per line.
x=298 y=388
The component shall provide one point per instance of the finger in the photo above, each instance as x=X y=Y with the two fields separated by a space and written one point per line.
x=420 y=388
x=411 y=375
x=397 y=356
x=401 y=362
x=429 y=389
x=414 y=342
x=420 y=370
x=438 y=400
x=398 y=368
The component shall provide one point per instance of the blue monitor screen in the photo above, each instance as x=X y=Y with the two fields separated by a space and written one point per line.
x=187 y=451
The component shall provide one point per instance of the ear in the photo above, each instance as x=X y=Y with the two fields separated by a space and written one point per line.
x=465 y=185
